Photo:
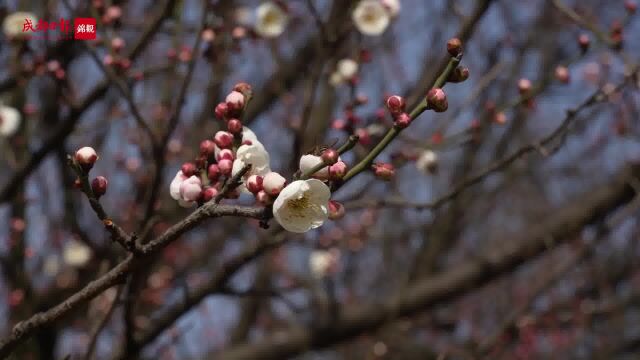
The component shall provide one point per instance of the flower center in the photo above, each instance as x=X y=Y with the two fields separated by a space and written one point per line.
x=272 y=18
x=298 y=204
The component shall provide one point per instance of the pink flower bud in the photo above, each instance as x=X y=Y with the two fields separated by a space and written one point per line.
x=454 y=47
x=213 y=172
x=234 y=126
x=191 y=188
x=225 y=154
x=223 y=139
x=86 y=157
x=363 y=136
x=383 y=171
x=273 y=183
x=243 y=88
x=396 y=104
x=336 y=210
x=437 y=100
x=108 y=60
x=225 y=166
x=338 y=170
x=338 y=124
x=500 y=118
x=584 y=41
x=209 y=193
x=208 y=35
x=235 y=101
x=207 y=148
x=330 y=156
x=117 y=43
x=631 y=6
x=403 y=120
x=459 y=75
x=188 y=169
x=263 y=198
x=562 y=74
x=221 y=110
x=524 y=86
x=254 y=184
x=99 y=186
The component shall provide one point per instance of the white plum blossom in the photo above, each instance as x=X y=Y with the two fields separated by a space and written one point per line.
x=321 y=262
x=13 y=24
x=175 y=192
x=392 y=6
x=190 y=189
x=9 y=120
x=256 y=156
x=76 y=254
x=427 y=161
x=371 y=17
x=271 y=20
x=302 y=205
x=345 y=70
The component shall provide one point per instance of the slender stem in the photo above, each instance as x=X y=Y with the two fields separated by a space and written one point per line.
x=394 y=131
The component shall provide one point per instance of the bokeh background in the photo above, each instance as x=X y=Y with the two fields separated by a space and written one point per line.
x=551 y=234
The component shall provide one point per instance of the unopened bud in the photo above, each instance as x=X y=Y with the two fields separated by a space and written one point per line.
x=562 y=74
x=336 y=210
x=245 y=89
x=500 y=118
x=330 y=156
x=86 y=157
x=338 y=170
x=99 y=186
x=584 y=41
x=225 y=154
x=223 y=139
x=403 y=120
x=264 y=198
x=384 y=171
x=117 y=43
x=454 y=47
x=188 y=169
x=254 y=184
x=213 y=172
x=396 y=104
x=221 y=110
x=235 y=102
x=459 y=75
x=207 y=148
x=273 y=183
x=524 y=86
x=209 y=193
x=234 y=126
x=225 y=166
x=437 y=100
x=631 y=6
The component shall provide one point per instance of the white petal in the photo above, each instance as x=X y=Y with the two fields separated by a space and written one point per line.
x=248 y=134
x=271 y=20
x=371 y=17
x=347 y=68
x=9 y=120
x=308 y=162
x=319 y=192
x=174 y=187
x=76 y=253
x=13 y=24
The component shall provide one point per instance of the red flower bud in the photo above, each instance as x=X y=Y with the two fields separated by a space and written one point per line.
x=225 y=154
x=631 y=6
x=99 y=186
x=383 y=171
x=562 y=74
x=264 y=198
x=330 y=156
x=454 y=47
x=396 y=104
x=584 y=41
x=254 y=184
x=209 y=193
x=234 y=126
x=363 y=136
x=188 y=169
x=225 y=166
x=524 y=86
x=221 y=110
x=213 y=172
x=243 y=88
x=336 y=210
x=403 y=120
x=223 y=139
x=86 y=157
x=235 y=102
x=437 y=100
x=338 y=170
x=207 y=148
x=459 y=75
